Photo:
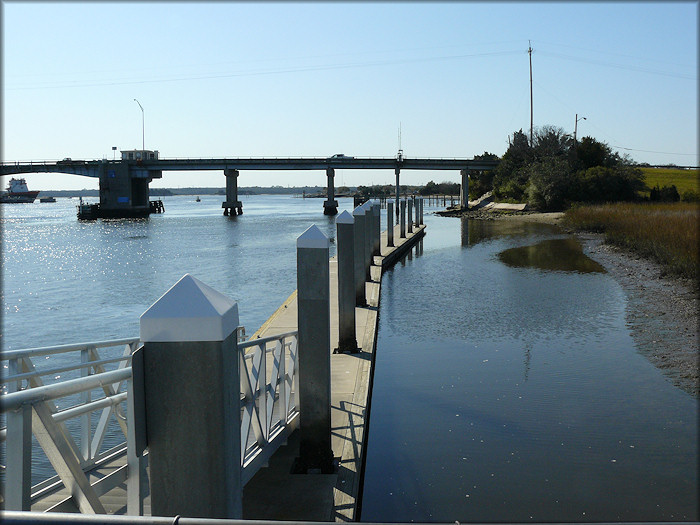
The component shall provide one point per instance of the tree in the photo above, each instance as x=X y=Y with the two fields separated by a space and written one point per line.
x=548 y=184
x=591 y=153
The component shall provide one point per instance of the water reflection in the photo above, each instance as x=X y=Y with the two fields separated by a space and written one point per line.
x=564 y=255
x=474 y=232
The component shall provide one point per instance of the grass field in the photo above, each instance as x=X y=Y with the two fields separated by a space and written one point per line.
x=682 y=179
x=666 y=233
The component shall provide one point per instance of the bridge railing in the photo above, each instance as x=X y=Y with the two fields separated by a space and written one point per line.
x=72 y=408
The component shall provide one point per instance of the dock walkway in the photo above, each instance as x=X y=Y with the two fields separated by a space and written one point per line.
x=276 y=494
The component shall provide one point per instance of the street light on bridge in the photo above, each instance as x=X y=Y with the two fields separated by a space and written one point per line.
x=143 y=126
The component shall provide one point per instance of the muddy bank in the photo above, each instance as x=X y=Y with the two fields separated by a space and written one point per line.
x=662 y=311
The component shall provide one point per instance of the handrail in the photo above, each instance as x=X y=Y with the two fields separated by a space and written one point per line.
x=58 y=349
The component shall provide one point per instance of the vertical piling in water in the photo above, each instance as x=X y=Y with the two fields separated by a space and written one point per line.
x=409 y=222
x=369 y=239
x=189 y=338
x=314 y=325
x=389 y=223
x=421 y=210
x=359 y=255
x=377 y=225
x=345 y=242
x=403 y=219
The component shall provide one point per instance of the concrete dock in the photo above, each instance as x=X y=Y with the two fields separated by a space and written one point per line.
x=276 y=494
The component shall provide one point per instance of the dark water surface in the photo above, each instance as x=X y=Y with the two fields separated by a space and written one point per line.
x=508 y=388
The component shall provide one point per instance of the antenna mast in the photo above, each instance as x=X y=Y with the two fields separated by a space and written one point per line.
x=529 y=52
x=400 y=154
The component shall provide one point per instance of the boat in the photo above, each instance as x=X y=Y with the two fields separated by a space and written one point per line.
x=198 y=199
x=17 y=191
x=47 y=199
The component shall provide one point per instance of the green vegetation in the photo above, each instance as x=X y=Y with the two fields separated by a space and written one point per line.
x=686 y=182
x=666 y=233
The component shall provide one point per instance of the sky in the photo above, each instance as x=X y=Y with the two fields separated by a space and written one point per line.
x=266 y=79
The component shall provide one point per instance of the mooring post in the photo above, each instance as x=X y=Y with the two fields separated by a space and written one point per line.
x=330 y=206
x=191 y=381
x=389 y=223
x=403 y=219
x=464 y=197
x=232 y=204
x=377 y=225
x=422 y=201
x=345 y=242
x=397 y=171
x=369 y=239
x=314 y=324
x=409 y=222
x=359 y=255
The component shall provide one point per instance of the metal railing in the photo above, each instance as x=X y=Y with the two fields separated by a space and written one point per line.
x=60 y=417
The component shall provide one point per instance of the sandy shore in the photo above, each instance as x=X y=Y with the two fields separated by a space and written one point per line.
x=662 y=311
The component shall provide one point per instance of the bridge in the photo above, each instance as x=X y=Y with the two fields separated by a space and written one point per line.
x=124 y=183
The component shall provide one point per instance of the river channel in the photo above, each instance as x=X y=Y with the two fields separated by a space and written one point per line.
x=508 y=388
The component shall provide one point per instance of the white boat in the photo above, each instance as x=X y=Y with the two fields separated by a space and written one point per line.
x=17 y=191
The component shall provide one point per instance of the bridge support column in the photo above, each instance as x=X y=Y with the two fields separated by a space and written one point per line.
x=314 y=322
x=389 y=223
x=410 y=216
x=345 y=241
x=398 y=191
x=190 y=371
x=464 y=196
x=330 y=206
x=232 y=205
x=359 y=252
x=403 y=219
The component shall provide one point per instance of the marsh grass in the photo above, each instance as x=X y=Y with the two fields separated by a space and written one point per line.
x=666 y=233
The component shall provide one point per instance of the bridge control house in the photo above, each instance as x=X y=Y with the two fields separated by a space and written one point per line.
x=124 y=186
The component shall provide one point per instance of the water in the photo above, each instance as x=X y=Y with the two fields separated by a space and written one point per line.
x=507 y=388
x=66 y=281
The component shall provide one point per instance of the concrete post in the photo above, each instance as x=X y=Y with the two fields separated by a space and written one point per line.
x=359 y=252
x=410 y=216
x=403 y=219
x=345 y=242
x=464 y=197
x=330 y=206
x=314 y=322
x=377 y=225
x=397 y=171
x=232 y=204
x=421 y=210
x=389 y=223
x=369 y=239
x=192 y=399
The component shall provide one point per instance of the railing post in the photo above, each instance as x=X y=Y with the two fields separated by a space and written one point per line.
x=359 y=256
x=18 y=451
x=192 y=401
x=345 y=241
x=403 y=219
x=389 y=223
x=85 y=419
x=313 y=302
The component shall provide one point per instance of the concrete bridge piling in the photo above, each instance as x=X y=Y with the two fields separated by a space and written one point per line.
x=232 y=206
x=330 y=206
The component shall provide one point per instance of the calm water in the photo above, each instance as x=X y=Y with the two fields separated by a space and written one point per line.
x=508 y=388
x=65 y=281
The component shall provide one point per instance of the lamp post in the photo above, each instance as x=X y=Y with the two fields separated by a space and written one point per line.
x=143 y=126
x=576 y=126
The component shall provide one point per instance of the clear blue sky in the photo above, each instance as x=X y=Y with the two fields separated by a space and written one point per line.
x=314 y=79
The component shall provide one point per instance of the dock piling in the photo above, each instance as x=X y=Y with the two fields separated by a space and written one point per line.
x=390 y=223
x=345 y=241
x=190 y=356
x=359 y=255
x=403 y=219
x=314 y=325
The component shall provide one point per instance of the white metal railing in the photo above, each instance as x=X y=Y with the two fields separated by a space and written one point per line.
x=269 y=397
x=269 y=412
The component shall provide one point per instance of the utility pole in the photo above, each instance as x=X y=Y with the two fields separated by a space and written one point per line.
x=529 y=52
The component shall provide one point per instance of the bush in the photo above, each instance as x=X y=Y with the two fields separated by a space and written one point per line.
x=690 y=196
x=665 y=194
x=548 y=185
